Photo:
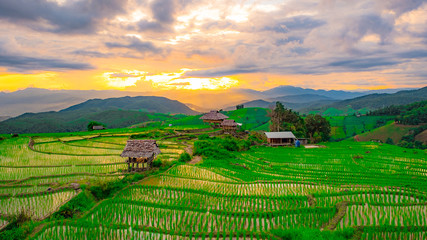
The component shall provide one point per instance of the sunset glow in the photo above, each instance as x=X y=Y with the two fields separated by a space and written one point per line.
x=212 y=45
x=165 y=81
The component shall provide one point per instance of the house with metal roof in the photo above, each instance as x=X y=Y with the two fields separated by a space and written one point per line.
x=280 y=138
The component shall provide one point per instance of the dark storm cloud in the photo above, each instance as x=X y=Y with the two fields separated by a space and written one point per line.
x=75 y=17
x=363 y=64
x=136 y=45
x=23 y=64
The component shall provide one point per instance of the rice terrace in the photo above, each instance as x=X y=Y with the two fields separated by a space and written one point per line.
x=76 y=186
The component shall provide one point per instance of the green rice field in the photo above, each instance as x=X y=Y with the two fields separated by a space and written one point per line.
x=359 y=190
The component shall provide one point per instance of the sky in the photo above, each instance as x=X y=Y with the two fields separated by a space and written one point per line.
x=204 y=45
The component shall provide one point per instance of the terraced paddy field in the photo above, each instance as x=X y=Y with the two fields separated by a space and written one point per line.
x=351 y=189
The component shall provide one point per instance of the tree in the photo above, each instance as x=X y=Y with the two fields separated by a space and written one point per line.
x=317 y=127
x=283 y=119
x=240 y=106
x=94 y=123
x=389 y=141
x=277 y=116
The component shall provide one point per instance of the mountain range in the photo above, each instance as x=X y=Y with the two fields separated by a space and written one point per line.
x=34 y=100
x=126 y=111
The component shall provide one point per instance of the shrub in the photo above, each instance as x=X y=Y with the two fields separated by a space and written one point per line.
x=313 y=234
x=184 y=157
x=79 y=204
x=15 y=230
x=203 y=137
x=157 y=163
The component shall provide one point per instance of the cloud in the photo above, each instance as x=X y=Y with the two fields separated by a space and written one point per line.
x=135 y=44
x=163 y=11
x=24 y=64
x=220 y=72
x=420 y=53
x=295 y=23
x=363 y=64
x=72 y=17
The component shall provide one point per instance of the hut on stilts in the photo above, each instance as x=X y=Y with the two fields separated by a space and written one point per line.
x=141 y=153
x=214 y=118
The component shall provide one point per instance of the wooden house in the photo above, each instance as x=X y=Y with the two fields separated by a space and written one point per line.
x=229 y=125
x=98 y=127
x=214 y=117
x=280 y=138
x=140 y=152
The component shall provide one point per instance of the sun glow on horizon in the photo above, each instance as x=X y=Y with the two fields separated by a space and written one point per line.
x=167 y=81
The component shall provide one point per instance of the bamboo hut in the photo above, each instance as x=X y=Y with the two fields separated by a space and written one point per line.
x=214 y=117
x=140 y=152
x=229 y=125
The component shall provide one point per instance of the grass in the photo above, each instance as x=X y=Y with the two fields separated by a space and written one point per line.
x=391 y=130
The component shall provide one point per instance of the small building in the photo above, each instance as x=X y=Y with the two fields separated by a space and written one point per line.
x=98 y=127
x=280 y=138
x=303 y=141
x=214 y=117
x=229 y=125
x=140 y=152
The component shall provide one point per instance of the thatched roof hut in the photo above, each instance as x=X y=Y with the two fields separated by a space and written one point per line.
x=140 y=149
x=213 y=117
x=229 y=124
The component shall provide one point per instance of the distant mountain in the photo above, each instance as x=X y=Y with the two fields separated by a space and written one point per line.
x=376 y=101
x=303 y=98
x=141 y=103
x=36 y=100
x=258 y=103
x=2 y=118
x=43 y=100
x=287 y=90
x=292 y=91
x=114 y=112
x=291 y=105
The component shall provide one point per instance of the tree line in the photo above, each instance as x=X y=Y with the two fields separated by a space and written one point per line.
x=411 y=114
x=314 y=126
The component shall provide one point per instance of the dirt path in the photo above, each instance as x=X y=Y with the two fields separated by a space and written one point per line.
x=189 y=150
x=195 y=160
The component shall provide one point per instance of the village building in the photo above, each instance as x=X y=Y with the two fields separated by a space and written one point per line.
x=140 y=153
x=229 y=125
x=214 y=117
x=98 y=127
x=280 y=138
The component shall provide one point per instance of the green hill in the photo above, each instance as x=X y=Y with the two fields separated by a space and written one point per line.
x=370 y=102
x=114 y=112
x=392 y=130
x=141 y=103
